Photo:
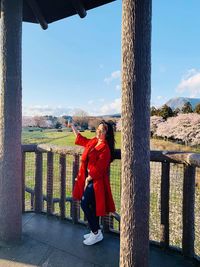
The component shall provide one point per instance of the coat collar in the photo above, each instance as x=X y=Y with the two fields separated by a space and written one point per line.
x=100 y=146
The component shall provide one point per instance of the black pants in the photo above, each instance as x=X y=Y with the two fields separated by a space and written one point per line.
x=88 y=206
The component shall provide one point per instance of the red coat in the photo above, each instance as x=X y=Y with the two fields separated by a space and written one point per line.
x=98 y=168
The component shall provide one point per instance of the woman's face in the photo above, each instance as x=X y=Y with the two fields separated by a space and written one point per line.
x=101 y=132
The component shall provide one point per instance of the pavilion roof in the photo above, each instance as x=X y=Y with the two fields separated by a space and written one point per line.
x=47 y=11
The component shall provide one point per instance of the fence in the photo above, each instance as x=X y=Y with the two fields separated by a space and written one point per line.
x=49 y=174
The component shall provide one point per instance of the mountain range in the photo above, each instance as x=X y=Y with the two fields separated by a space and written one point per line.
x=173 y=103
x=178 y=102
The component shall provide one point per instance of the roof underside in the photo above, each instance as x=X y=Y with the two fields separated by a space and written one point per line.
x=53 y=10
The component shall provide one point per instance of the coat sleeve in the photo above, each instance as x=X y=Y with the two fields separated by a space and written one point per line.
x=97 y=170
x=81 y=140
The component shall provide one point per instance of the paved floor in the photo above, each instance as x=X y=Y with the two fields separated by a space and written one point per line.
x=48 y=242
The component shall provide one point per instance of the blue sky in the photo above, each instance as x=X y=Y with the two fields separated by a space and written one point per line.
x=75 y=63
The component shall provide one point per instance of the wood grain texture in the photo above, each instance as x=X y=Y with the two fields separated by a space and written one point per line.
x=10 y=121
x=136 y=73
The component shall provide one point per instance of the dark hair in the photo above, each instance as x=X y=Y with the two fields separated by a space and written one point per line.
x=110 y=137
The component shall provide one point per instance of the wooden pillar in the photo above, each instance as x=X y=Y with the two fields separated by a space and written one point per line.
x=10 y=121
x=136 y=83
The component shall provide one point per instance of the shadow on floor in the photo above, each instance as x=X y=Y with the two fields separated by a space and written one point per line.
x=49 y=242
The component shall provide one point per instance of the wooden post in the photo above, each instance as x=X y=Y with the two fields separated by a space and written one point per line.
x=62 y=185
x=188 y=210
x=136 y=84
x=75 y=209
x=10 y=121
x=38 y=183
x=23 y=180
x=107 y=220
x=49 y=183
x=165 y=184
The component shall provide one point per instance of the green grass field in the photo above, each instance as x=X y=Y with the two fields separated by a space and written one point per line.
x=67 y=139
x=58 y=138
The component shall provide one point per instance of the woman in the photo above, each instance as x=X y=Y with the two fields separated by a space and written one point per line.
x=92 y=185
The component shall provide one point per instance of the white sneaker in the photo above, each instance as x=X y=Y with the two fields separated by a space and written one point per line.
x=93 y=239
x=88 y=235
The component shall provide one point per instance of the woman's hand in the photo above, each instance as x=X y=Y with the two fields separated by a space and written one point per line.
x=87 y=180
x=70 y=124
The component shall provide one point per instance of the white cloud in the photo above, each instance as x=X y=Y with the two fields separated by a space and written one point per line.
x=111 y=108
x=113 y=76
x=96 y=108
x=38 y=110
x=190 y=73
x=190 y=83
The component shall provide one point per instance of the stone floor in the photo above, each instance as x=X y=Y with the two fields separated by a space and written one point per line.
x=49 y=242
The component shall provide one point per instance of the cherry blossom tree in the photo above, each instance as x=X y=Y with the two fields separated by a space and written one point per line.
x=184 y=127
x=155 y=120
x=28 y=121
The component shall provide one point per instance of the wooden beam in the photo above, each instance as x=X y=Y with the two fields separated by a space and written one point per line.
x=0 y=8
x=37 y=13
x=78 y=5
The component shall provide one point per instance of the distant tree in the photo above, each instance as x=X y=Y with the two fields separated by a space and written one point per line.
x=119 y=125
x=49 y=124
x=158 y=112
x=64 y=119
x=154 y=111
x=187 y=108
x=93 y=123
x=197 y=109
x=58 y=125
x=40 y=121
x=176 y=111
x=28 y=121
x=185 y=127
x=165 y=112
x=154 y=122
x=81 y=118
x=52 y=120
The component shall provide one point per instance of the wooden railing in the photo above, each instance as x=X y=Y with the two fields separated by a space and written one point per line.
x=189 y=161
